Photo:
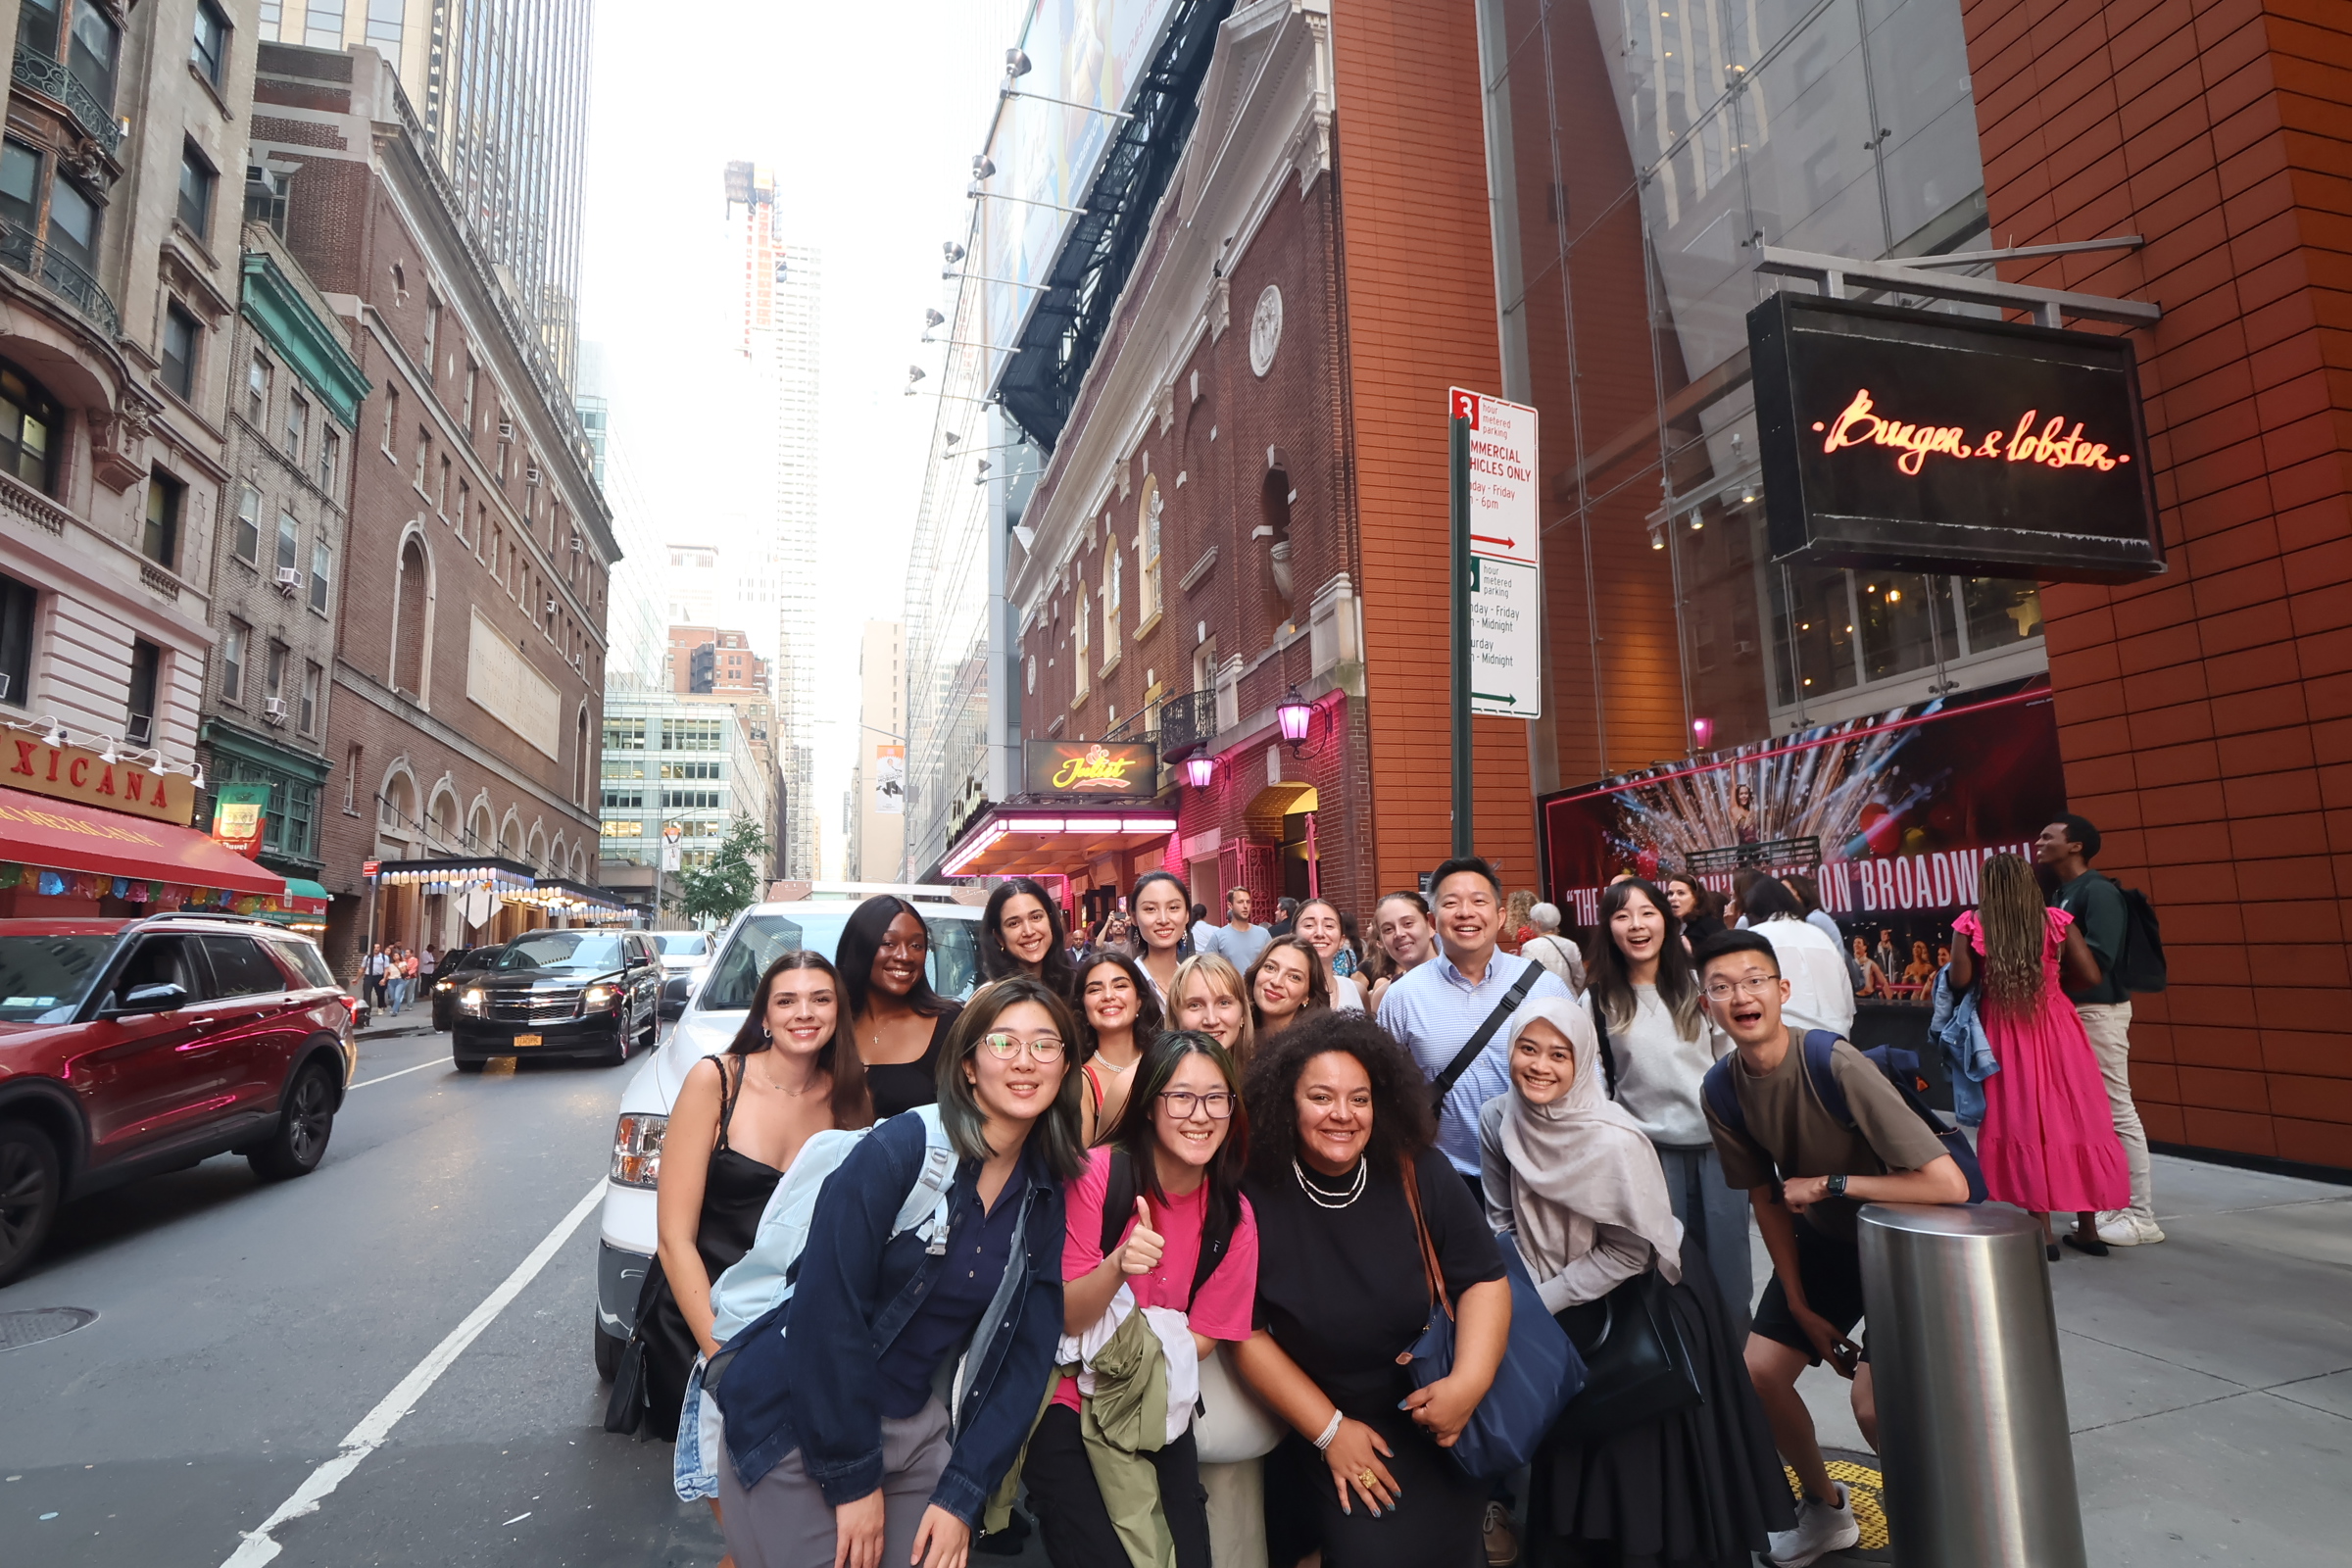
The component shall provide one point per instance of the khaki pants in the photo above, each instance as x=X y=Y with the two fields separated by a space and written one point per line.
x=2109 y=1026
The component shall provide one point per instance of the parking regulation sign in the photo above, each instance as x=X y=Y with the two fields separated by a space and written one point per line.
x=1507 y=556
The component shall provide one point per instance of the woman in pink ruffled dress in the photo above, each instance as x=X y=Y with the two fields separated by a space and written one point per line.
x=2048 y=1142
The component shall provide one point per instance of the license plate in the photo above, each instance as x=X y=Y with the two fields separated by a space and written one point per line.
x=526 y=1039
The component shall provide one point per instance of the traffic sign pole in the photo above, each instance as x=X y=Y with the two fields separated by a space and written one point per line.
x=1464 y=839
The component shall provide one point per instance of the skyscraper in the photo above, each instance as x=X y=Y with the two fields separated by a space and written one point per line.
x=501 y=87
x=776 y=334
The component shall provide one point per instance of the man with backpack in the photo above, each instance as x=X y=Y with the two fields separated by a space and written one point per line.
x=2106 y=917
x=1813 y=1129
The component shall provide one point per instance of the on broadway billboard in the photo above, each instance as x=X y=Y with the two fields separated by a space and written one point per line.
x=1904 y=808
x=1098 y=770
x=1943 y=443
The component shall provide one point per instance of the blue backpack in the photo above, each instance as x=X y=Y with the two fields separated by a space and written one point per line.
x=1900 y=1068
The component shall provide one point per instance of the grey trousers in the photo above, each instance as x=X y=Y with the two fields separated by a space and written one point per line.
x=783 y=1520
x=1714 y=1220
x=2109 y=1026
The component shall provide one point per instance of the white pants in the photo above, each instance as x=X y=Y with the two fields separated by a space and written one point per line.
x=2109 y=1026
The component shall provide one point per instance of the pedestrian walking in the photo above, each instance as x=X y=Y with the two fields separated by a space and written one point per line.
x=1176 y=1281
x=1118 y=1014
x=377 y=960
x=1163 y=940
x=1317 y=923
x=2064 y=850
x=1203 y=930
x=1576 y=1182
x=1550 y=948
x=1286 y=984
x=1237 y=939
x=2048 y=1141
x=1406 y=939
x=1821 y=991
x=1213 y=998
x=1651 y=1022
x=1021 y=933
x=1807 y=1175
x=1286 y=914
x=839 y=1449
x=1340 y=1134
x=899 y=1022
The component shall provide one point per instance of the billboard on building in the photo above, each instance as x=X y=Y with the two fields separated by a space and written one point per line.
x=1900 y=809
x=890 y=781
x=1089 y=55
x=1119 y=770
x=1940 y=443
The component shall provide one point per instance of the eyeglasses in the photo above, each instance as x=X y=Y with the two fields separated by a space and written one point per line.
x=1755 y=985
x=1045 y=1048
x=1182 y=1103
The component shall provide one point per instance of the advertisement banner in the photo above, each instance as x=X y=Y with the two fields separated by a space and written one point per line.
x=1099 y=769
x=890 y=781
x=240 y=812
x=77 y=773
x=1894 y=813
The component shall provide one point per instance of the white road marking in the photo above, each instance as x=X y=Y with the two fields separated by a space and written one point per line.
x=258 y=1546
x=388 y=1077
x=517 y=1519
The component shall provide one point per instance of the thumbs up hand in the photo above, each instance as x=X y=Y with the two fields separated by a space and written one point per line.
x=1139 y=1254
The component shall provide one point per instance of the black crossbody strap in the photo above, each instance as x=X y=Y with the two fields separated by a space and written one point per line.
x=1443 y=1084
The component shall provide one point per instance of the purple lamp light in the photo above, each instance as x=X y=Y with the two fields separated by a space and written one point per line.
x=1702 y=730
x=1200 y=771
x=1294 y=714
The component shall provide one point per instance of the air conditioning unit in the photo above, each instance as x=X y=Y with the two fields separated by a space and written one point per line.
x=288 y=579
x=576 y=541
x=505 y=429
x=274 y=710
x=140 y=729
x=551 y=608
x=531 y=475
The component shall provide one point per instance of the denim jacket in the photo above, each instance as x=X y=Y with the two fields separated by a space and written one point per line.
x=1967 y=1058
x=816 y=1388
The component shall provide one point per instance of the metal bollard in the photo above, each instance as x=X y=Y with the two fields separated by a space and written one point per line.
x=1972 y=1407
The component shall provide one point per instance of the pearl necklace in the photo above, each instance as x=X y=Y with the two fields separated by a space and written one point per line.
x=1323 y=1200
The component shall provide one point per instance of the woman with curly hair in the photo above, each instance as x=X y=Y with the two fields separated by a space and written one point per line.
x=2048 y=1143
x=1344 y=1177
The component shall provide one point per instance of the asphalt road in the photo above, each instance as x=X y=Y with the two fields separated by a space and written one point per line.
x=243 y=1331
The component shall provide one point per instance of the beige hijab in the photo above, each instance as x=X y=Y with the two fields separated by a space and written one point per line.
x=1580 y=1162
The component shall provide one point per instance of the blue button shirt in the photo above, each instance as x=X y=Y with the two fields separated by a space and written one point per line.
x=1433 y=1012
x=979 y=1250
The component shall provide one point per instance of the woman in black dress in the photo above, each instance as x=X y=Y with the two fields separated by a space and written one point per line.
x=1341 y=1121
x=896 y=1020
x=1576 y=1182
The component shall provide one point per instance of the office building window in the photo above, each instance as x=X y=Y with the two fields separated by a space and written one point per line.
x=247 y=541
x=72 y=225
x=322 y=562
x=383 y=25
x=624 y=735
x=322 y=23
x=20 y=187
x=159 y=540
x=97 y=42
x=179 y=347
x=209 y=52
x=234 y=644
x=29 y=423
x=18 y=603
x=197 y=179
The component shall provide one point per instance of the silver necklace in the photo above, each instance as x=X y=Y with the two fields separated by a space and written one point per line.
x=1322 y=1199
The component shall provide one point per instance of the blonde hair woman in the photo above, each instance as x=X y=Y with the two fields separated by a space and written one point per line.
x=1210 y=995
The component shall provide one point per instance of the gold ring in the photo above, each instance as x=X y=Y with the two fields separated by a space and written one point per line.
x=1365 y=1478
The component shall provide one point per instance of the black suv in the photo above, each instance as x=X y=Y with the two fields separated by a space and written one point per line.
x=592 y=994
x=459 y=966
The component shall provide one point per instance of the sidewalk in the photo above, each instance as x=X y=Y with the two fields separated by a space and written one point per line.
x=2208 y=1380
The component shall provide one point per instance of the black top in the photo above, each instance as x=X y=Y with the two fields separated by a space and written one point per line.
x=904 y=1085
x=979 y=1250
x=1342 y=1291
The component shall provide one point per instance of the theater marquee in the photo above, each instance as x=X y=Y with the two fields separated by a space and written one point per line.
x=1932 y=442
x=1111 y=769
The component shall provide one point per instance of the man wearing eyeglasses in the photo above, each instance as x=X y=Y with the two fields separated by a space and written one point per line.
x=1807 y=1174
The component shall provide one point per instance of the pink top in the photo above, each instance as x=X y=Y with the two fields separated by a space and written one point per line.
x=1221 y=1311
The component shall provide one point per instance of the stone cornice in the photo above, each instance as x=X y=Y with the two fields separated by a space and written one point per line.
x=277 y=311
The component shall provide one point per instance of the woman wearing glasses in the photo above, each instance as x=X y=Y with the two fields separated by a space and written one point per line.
x=899 y=1022
x=839 y=1449
x=1646 y=1006
x=1165 y=1188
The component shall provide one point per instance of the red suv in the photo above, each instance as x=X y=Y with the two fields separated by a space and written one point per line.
x=131 y=1046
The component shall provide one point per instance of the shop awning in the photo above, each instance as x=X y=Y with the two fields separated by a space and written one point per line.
x=1016 y=841
x=304 y=897
x=67 y=837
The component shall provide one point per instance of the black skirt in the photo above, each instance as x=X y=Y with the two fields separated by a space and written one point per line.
x=1699 y=1488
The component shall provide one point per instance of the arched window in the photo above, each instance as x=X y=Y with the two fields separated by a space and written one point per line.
x=398 y=808
x=407 y=642
x=481 y=832
x=31 y=430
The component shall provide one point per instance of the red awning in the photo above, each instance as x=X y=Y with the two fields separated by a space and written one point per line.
x=62 y=835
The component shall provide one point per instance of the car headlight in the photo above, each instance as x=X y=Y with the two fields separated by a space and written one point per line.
x=445 y=985
x=637 y=1149
x=471 y=1003
x=598 y=998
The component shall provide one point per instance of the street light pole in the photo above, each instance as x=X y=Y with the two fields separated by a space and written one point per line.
x=1464 y=839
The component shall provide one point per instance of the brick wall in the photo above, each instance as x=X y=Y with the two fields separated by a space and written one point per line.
x=2206 y=715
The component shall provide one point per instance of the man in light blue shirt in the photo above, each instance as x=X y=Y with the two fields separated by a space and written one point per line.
x=1434 y=1008
x=1237 y=939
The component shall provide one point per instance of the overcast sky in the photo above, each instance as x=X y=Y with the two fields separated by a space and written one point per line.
x=869 y=117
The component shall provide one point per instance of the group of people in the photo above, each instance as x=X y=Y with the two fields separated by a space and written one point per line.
x=393 y=971
x=1147 y=1231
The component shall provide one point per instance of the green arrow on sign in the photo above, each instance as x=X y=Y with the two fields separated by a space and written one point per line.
x=1490 y=697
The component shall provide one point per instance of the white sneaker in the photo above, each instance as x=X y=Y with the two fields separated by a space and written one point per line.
x=2123 y=1228
x=1820 y=1529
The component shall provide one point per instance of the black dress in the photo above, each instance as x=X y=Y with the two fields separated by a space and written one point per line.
x=904 y=1085
x=1342 y=1292
x=735 y=1194
x=1699 y=1488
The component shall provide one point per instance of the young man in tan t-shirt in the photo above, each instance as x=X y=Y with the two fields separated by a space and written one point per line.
x=1807 y=1175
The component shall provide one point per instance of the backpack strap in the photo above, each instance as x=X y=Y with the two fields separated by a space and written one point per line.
x=1219 y=1219
x=1118 y=1198
x=1820 y=1046
x=1716 y=1091
x=1608 y=1052
x=1443 y=1084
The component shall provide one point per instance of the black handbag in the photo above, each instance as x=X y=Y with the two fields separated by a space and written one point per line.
x=624 y=1411
x=1637 y=1367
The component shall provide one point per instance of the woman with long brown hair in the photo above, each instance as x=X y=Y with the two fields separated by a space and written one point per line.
x=1118 y=1015
x=1286 y=984
x=2048 y=1142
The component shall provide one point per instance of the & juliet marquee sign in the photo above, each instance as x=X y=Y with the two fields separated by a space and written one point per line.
x=1932 y=442
x=1120 y=769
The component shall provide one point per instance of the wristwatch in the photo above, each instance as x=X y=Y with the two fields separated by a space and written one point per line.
x=1837 y=1187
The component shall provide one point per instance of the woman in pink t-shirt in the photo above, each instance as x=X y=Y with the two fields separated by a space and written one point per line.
x=1172 y=1165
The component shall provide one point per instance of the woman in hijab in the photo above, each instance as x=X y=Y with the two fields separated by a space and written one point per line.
x=1573 y=1179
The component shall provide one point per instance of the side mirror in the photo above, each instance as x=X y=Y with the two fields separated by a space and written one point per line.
x=161 y=997
x=674 y=992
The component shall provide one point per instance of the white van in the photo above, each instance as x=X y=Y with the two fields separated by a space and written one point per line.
x=712 y=1013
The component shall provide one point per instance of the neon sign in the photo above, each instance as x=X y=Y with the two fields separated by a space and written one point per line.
x=1093 y=767
x=1859 y=426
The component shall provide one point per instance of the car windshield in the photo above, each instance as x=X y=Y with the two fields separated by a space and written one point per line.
x=572 y=951
x=42 y=979
x=761 y=939
x=683 y=944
